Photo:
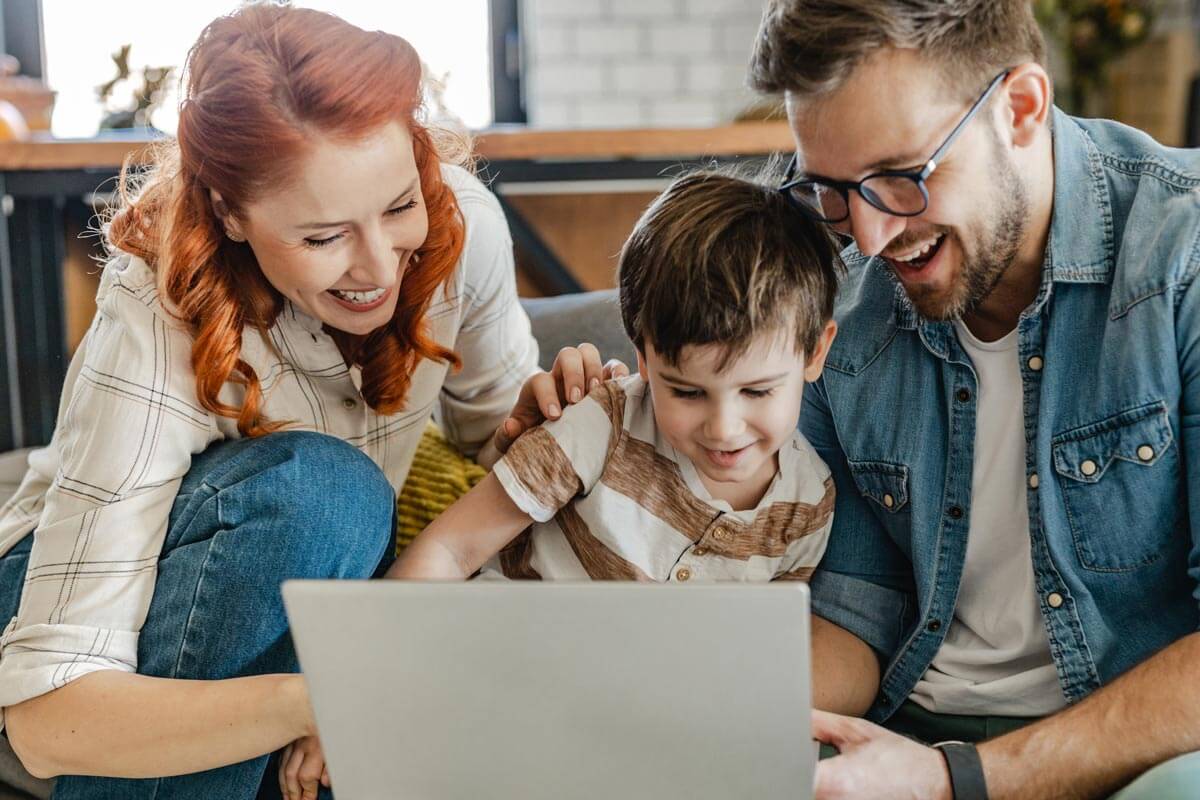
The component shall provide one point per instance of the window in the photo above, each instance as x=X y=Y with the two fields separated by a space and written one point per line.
x=452 y=37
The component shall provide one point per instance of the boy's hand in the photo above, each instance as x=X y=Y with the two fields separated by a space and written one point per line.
x=301 y=768
x=576 y=371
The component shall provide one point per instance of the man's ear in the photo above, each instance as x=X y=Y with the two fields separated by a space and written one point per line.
x=233 y=228
x=641 y=365
x=1029 y=96
x=815 y=361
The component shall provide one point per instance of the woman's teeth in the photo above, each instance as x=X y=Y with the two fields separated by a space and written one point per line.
x=921 y=250
x=359 y=298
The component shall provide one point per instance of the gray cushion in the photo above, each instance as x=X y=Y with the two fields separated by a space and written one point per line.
x=571 y=319
x=15 y=782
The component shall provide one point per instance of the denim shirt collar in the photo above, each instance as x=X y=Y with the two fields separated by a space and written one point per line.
x=1082 y=203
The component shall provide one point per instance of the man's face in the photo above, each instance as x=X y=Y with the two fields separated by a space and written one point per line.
x=892 y=114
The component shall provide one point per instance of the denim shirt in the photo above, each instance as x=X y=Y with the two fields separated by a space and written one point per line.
x=1110 y=367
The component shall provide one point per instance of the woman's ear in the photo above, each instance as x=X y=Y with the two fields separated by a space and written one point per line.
x=233 y=228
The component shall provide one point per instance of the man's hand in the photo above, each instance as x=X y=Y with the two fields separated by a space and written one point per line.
x=876 y=763
x=301 y=768
x=576 y=371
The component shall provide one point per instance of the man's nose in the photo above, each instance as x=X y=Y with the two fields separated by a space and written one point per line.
x=871 y=228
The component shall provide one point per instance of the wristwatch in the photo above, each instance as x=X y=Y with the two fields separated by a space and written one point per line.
x=967 y=781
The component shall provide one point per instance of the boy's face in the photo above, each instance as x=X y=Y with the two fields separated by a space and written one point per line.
x=730 y=424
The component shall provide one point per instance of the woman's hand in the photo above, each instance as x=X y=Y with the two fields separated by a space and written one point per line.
x=576 y=371
x=302 y=768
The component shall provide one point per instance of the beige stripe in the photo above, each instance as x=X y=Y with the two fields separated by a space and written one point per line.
x=600 y=563
x=773 y=529
x=798 y=574
x=516 y=559
x=611 y=398
x=653 y=481
x=544 y=468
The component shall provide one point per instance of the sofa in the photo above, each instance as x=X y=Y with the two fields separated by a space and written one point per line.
x=557 y=322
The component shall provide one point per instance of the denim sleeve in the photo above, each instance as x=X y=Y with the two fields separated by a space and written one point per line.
x=864 y=582
x=1187 y=334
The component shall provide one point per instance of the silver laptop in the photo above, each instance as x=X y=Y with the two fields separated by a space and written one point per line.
x=507 y=690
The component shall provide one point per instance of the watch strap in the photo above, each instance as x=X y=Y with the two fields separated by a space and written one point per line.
x=967 y=781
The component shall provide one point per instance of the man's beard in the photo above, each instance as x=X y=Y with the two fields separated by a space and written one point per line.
x=994 y=250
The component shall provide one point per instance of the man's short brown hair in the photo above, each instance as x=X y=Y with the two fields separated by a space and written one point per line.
x=719 y=259
x=809 y=48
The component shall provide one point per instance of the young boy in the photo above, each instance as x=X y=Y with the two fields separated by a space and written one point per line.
x=691 y=469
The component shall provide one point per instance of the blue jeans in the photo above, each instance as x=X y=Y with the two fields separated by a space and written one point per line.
x=250 y=514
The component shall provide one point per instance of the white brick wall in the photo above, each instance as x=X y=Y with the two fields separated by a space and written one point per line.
x=629 y=63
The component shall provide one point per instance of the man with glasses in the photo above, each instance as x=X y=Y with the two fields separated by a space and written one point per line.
x=1010 y=412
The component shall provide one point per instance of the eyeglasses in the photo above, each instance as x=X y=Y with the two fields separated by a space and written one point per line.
x=896 y=192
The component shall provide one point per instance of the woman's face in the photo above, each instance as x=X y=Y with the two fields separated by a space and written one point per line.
x=337 y=240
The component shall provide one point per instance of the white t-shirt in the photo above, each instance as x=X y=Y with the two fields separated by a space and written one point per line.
x=995 y=658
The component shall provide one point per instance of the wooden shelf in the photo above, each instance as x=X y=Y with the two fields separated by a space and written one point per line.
x=496 y=144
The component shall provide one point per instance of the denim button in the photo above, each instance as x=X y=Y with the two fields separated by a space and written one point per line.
x=1054 y=600
x=955 y=512
x=964 y=395
x=1035 y=363
x=889 y=501
x=1033 y=481
x=934 y=625
x=1088 y=467
x=1145 y=453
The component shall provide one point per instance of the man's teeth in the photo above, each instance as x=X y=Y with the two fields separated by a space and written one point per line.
x=360 y=298
x=920 y=250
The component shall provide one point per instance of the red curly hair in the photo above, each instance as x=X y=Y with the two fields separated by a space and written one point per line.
x=259 y=83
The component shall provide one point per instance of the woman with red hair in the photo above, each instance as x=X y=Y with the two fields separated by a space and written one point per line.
x=300 y=281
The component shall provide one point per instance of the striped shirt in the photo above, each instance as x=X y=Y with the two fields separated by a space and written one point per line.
x=612 y=500
x=129 y=423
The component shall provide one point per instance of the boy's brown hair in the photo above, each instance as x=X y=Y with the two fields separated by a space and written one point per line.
x=808 y=48
x=718 y=258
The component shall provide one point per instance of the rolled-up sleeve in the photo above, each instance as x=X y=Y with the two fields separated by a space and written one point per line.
x=127 y=429
x=863 y=583
x=495 y=341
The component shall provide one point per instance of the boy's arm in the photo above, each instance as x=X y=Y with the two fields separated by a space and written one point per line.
x=464 y=536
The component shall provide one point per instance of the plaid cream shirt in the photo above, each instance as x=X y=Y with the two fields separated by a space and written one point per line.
x=100 y=493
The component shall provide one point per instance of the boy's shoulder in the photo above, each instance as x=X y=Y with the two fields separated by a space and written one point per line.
x=808 y=472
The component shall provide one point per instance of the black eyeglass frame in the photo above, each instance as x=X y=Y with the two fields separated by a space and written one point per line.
x=918 y=177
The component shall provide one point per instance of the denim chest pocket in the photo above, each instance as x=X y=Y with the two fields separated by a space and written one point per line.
x=885 y=487
x=1120 y=484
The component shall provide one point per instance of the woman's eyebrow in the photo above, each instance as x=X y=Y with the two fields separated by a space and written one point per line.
x=397 y=199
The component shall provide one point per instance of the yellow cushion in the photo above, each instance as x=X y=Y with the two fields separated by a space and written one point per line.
x=439 y=476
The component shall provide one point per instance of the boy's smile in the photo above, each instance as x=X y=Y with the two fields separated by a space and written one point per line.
x=730 y=422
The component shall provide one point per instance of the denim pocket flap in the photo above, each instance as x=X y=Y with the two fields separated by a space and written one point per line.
x=1139 y=436
x=885 y=483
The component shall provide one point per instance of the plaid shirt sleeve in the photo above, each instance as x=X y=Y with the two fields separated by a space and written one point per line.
x=128 y=426
x=497 y=346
